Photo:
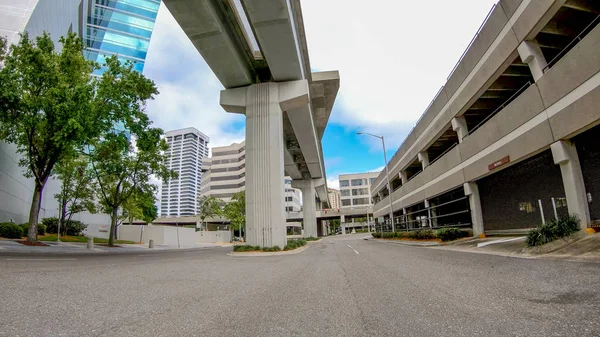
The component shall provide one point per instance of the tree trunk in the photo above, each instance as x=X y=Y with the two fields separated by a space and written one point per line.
x=113 y=228
x=34 y=212
x=63 y=216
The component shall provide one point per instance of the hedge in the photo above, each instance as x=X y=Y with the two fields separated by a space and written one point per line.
x=553 y=230
x=10 y=230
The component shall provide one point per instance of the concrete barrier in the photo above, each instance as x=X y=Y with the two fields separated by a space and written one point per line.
x=171 y=235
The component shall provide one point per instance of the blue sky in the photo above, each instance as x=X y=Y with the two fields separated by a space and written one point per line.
x=391 y=63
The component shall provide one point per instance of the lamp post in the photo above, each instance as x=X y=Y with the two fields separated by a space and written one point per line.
x=387 y=176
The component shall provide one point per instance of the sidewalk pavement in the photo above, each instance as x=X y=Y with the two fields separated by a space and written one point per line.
x=10 y=246
x=580 y=247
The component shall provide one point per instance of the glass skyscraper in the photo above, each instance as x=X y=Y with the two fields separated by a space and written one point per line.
x=119 y=27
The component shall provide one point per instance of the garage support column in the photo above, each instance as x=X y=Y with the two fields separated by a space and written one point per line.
x=263 y=104
x=403 y=177
x=459 y=125
x=428 y=213
x=343 y=223
x=531 y=53
x=423 y=158
x=565 y=154
x=472 y=191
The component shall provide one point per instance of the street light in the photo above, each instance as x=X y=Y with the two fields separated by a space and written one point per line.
x=387 y=175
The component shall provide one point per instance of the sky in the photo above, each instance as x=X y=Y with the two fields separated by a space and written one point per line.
x=392 y=55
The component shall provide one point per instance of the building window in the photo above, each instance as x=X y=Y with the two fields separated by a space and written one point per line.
x=357 y=182
x=372 y=181
x=360 y=191
x=344 y=183
x=345 y=193
x=360 y=201
x=289 y=199
x=346 y=202
x=289 y=209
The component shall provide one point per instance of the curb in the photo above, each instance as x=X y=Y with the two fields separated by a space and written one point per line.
x=412 y=243
x=258 y=254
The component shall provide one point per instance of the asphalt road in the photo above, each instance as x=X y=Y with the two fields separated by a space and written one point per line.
x=343 y=286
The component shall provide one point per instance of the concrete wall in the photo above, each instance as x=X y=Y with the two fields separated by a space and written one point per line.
x=167 y=235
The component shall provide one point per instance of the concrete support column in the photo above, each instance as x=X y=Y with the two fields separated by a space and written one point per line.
x=565 y=154
x=428 y=213
x=263 y=104
x=423 y=158
x=403 y=177
x=459 y=125
x=324 y=227
x=310 y=209
x=472 y=191
x=343 y=224
x=531 y=53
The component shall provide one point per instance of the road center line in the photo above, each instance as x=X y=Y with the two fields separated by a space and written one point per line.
x=26 y=259
x=352 y=249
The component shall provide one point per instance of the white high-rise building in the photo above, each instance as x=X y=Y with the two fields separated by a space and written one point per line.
x=224 y=174
x=187 y=149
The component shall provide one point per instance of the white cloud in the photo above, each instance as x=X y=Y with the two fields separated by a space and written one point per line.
x=189 y=91
x=393 y=56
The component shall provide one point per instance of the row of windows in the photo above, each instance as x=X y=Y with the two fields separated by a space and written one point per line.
x=355 y=202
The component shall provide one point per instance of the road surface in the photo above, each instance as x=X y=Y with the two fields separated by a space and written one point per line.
x=341 y=286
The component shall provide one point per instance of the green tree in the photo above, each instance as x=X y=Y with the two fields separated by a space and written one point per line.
x=141 y=205
x=47 y=107
x=124 y=158
x=77 y=189
x=2 y=48
x=235 y=211
x=210 y=207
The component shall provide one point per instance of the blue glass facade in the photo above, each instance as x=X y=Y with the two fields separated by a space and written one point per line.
x=120 y=27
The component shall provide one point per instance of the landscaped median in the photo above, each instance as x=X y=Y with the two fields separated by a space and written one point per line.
x=292 y=244
x=440 y=235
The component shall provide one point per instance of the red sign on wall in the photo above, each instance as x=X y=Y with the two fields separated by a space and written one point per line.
x=498 y=163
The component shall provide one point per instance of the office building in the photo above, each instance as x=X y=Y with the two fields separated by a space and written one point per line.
x=334 y=198
x=511 y=139
x=355 y=189
x=109 y=27
x=224 y=174
x=187 y=149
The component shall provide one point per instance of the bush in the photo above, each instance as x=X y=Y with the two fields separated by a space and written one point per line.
x=245 y=248
x=271 y=249
x=41 y=229
x=421 y=234
x=311 y=239
x=73 y=227
x=450 y=234
x=10 y=230
x=294 y=243
x=376 y=235
x=51 y=225
x=25 y=228
x=553 y=230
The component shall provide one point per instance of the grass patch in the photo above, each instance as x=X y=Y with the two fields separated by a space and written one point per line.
x=553 y=230
x=311 y=239
x=81 y=239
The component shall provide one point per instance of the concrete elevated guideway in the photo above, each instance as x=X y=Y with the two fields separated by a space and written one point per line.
x=258 y=51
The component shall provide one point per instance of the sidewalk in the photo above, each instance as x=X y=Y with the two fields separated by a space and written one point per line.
x=579 y=247
x=10 y=246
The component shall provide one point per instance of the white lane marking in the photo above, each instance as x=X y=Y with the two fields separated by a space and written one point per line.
x=483 y=244
x=352 y=249
x=26 y=259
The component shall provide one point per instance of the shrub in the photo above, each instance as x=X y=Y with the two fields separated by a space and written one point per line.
x=294 y=243
x=421 y=234
x=25 y=228
x=271 y=249
x=311 y=239
x=245 y=248
x=73 y=227
x=376 y=235
x=51 y=225
x=553 y=230
x=450 y=234
x=41 y=229
x=10 y=230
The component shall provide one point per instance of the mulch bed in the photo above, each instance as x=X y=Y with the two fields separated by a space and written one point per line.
x=24 y=242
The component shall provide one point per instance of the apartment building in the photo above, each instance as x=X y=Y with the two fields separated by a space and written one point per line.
x=187 y=150
x=225 y=175
x=334 y=198
x=355 y=189
x=511 y=139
